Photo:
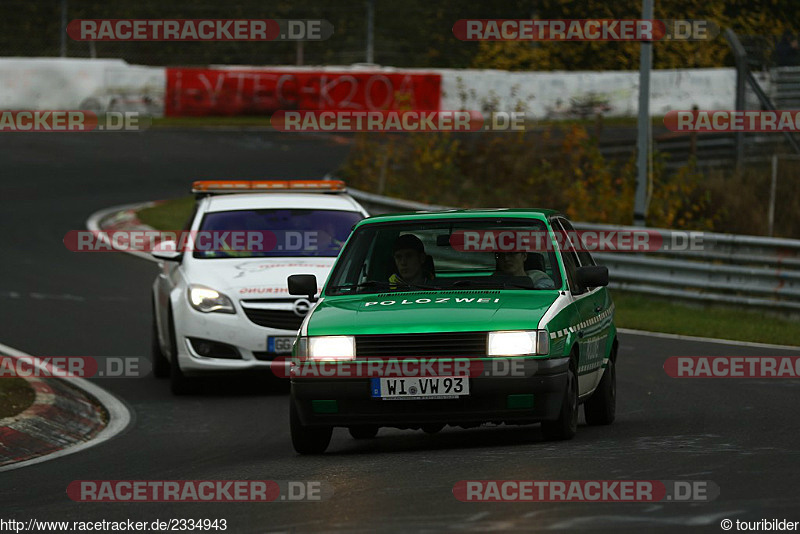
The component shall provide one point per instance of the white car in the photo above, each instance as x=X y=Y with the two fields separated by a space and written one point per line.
x=219 y=307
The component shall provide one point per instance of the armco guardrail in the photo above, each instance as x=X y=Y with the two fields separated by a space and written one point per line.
x=733 y=269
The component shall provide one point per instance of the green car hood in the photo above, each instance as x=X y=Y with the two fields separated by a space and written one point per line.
x=416 y=312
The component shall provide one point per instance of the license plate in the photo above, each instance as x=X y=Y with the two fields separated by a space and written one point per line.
x=280 y=345
x=437 y=387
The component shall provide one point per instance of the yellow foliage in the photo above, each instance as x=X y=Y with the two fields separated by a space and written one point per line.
x=556 y=169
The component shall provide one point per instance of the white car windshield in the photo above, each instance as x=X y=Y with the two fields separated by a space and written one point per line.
x=261 y=233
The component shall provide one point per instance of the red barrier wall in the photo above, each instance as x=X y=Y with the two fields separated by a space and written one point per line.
x=194 y=92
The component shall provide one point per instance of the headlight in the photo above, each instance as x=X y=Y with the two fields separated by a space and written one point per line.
x=519 y=343
x=319 y=348
x=207 y=300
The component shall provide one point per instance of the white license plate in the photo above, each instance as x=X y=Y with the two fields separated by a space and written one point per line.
x=280 y=345
x=411 y=388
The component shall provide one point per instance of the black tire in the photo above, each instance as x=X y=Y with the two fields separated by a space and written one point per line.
x=433 y=428
x=179 y=383
x=157 y=357
x=307 y=439
x=363 y=431
x=601 y=408
x=566 y=425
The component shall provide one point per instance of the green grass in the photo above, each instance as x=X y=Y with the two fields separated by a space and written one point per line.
x=642 y=312
x=15 y=396
x=636 y=311
x=168 y=215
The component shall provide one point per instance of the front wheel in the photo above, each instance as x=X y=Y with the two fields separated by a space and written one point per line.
x=601 y=408
x=179 y=383
x=307 y=439
x=157 y=357
x=566 y=425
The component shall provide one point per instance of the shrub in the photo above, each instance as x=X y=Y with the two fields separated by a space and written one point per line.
x=561 y=167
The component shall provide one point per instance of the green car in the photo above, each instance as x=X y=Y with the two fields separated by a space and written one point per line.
x=461 y=318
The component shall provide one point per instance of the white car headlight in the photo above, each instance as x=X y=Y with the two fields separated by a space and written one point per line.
x=335 y=348
x=207 y=300
x=519 y=343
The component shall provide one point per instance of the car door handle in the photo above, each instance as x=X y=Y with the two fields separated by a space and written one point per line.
x=597 y=309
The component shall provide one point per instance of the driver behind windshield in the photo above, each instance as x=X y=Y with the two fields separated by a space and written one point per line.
x=410 y=258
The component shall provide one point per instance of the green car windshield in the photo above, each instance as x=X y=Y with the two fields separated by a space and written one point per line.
x=452 y=254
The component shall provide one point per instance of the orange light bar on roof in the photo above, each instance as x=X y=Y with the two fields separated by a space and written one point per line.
x=273 y=184
x=329 y=185
x=244 y=186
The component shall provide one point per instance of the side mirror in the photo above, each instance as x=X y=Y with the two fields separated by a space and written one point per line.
x=167 y=250
x=592 y=276
x=303 y=284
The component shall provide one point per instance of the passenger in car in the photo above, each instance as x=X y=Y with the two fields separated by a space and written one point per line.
x=413 y=265
x=515 y=264
x=327 y=238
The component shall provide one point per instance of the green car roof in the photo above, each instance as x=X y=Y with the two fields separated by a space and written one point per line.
x=531 y=213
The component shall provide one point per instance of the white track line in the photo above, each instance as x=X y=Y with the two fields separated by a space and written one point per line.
x=707 y=339
x=93 y=224
x=119 y=417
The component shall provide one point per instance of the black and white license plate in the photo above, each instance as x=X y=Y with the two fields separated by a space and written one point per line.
x=280 y=345
x=411 y=388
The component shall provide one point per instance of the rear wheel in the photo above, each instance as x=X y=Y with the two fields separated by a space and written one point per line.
x=363 y=431
x=601 y=408
x=307 y=439
x=157 y=357
x=566 y=425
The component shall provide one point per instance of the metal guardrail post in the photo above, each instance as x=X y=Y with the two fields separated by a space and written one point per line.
x=772 y=193
x=740 y=57
x=643 y=123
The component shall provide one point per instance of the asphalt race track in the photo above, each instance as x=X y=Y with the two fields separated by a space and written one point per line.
x=740 y=434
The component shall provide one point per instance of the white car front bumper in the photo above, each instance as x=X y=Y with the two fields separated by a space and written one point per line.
x=248 y=340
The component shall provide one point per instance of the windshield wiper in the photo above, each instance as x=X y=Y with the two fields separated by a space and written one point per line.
x=478 y=283
x=360 y=285
x=502 y=284
x=383 y=285
x=414 y=286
